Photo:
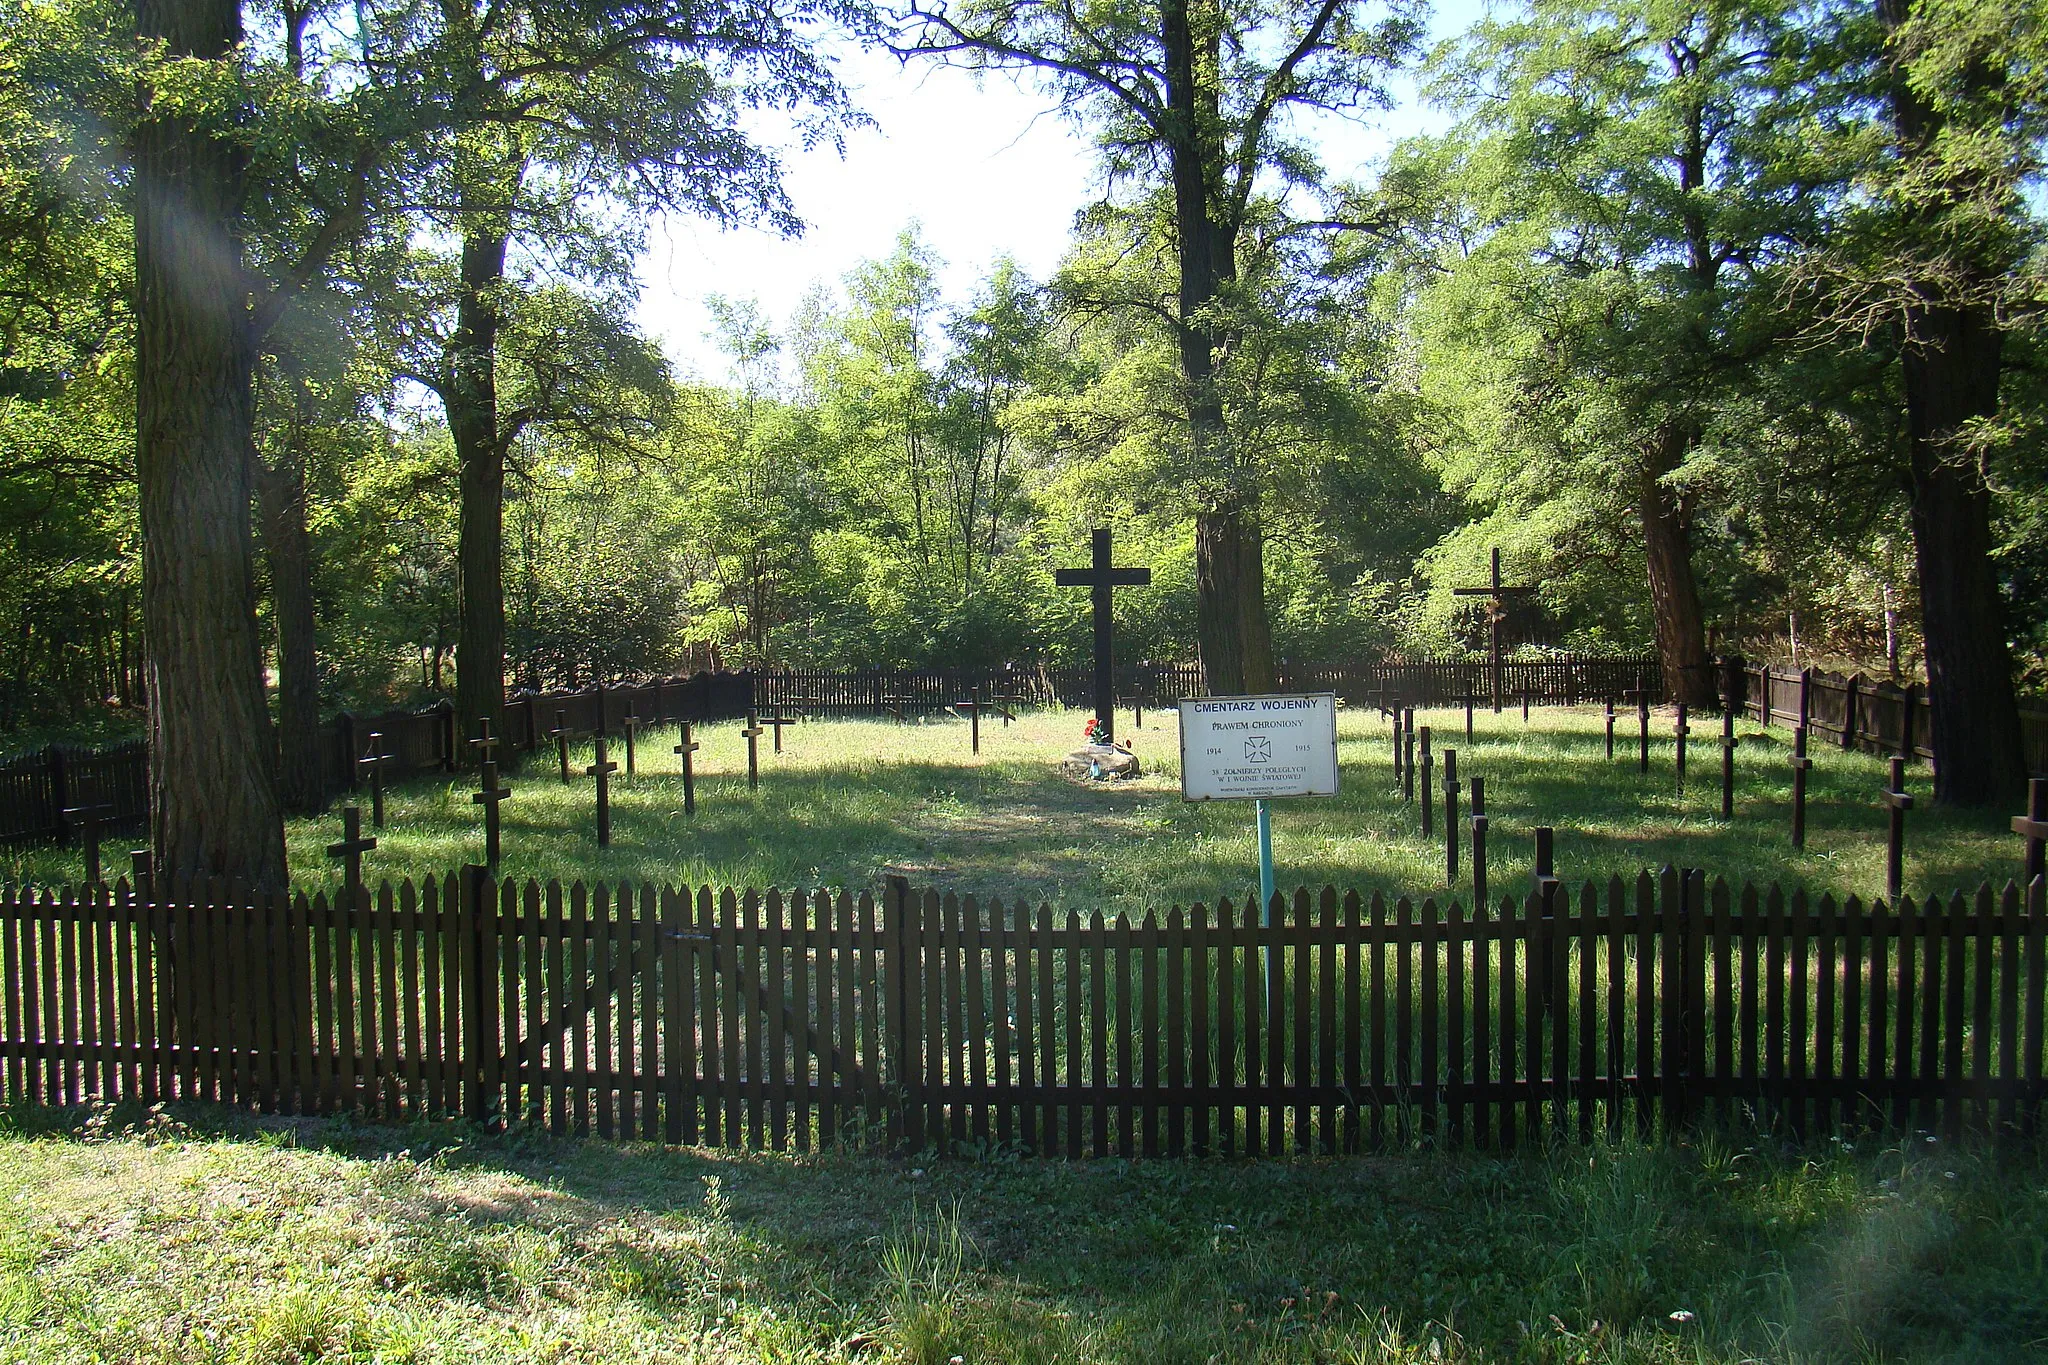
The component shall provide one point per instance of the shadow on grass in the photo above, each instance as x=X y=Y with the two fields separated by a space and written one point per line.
x=1722 y=1247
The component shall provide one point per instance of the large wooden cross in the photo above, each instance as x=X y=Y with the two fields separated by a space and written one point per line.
x=1103 y=577
x=1496 y=612
x=1897 y=802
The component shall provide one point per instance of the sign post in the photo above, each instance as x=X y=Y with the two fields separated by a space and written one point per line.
x=1255 y=749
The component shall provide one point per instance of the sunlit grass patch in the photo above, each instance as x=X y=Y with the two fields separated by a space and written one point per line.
x=849 y=801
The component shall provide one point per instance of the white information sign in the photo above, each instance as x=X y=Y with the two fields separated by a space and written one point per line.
x=1245 y=748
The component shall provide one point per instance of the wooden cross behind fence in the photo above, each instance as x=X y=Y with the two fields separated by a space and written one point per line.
x=602 y=770
x=1101 y=577
x=1800 y=765
x=1897 y=802
x=351 y=850
x=631 y=725
x=374 y=761
x=1496 y=593
x=490 y=792
x=87 y=819
x=686 y=749
x=753 y=732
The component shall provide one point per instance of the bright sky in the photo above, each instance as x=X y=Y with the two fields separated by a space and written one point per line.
x=984 y=169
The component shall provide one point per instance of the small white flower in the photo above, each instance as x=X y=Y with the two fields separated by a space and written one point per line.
x=1681 y=1315
x=1948 y=1175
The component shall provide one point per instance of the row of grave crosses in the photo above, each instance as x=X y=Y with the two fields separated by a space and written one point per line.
x=1894 y=798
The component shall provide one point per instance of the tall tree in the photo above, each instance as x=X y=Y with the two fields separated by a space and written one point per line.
x=569 y=109
x=1195 y=96
x=214 y=804
x=1963 y=96
x=1625 y=168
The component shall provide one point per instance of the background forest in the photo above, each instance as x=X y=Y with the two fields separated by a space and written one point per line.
x=1648 y=317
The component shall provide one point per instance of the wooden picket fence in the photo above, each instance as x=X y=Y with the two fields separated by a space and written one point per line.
x=925 y=1022
x=909 y=692
x=1879 y=717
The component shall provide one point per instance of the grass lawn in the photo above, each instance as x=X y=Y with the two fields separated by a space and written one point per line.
x=848 y=801
x=280 y=1242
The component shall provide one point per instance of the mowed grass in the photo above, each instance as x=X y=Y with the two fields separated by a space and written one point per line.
x=848 y=802
x=254 y=1242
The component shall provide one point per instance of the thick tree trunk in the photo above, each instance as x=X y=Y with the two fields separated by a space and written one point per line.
x=471 y=397
x=1951 y=374
x=1232 y=634
x=1951 y=361
x=213 y=785
x=281 y=496
x=1674 y=592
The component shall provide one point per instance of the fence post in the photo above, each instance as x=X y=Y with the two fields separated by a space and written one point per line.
x=482 y=1051
x=1541 y=932
x=1691 y=987
x=447 y=736
x=60 y=790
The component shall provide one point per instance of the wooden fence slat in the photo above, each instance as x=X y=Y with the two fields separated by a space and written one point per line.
x=1148 y=1037
x=1933 y=926
x=1227 y=1080
x=978 y=1035
x=953 y=1059
x=1126 y=1078
x=931 y=973
x=1981 y=1027
x=777 y=1059
x=1482 y=1026
x=2009 y=925
x=1297 y=928
x=1001 y=956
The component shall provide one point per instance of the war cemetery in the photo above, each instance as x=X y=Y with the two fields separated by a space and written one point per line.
x=1183 y=682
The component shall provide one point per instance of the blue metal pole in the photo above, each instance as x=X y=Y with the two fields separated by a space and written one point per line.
x=1265 y=809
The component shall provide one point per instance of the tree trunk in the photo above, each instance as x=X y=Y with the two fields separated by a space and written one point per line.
x=1233 y=638
x=213 y=784
x=1951 y=376
x=471 y=397
x=1674 y=592
x=281 y=496
x=1951 y=361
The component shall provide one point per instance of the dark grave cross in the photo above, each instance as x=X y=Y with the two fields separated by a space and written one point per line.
x=602 y=770
x=1384 y=699
x=1428 y=794
x=1479 y=823
x=1800 y=764
x=1102 y=578
x=1408 y=754
x=1679 y=732
x=1898 y=802
x=1524 y=695
x=1395 y=720
x=489 y=793
x=972 y=706
x=753 y=732
x=1641 y=692
x=631 y=725
x=1451 y=817
x=87 y=819
x=685 y=749
x=373 y=762
x=1002 y=705
x=560 y=735
x=776 y=722
x=1496 y=593
x=1468 y=699
x=1728 y=743
x=1610 y=729
x=2033 y=827
x=351 y=850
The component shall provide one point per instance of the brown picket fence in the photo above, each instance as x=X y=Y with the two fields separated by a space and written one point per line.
x=922 y=1022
